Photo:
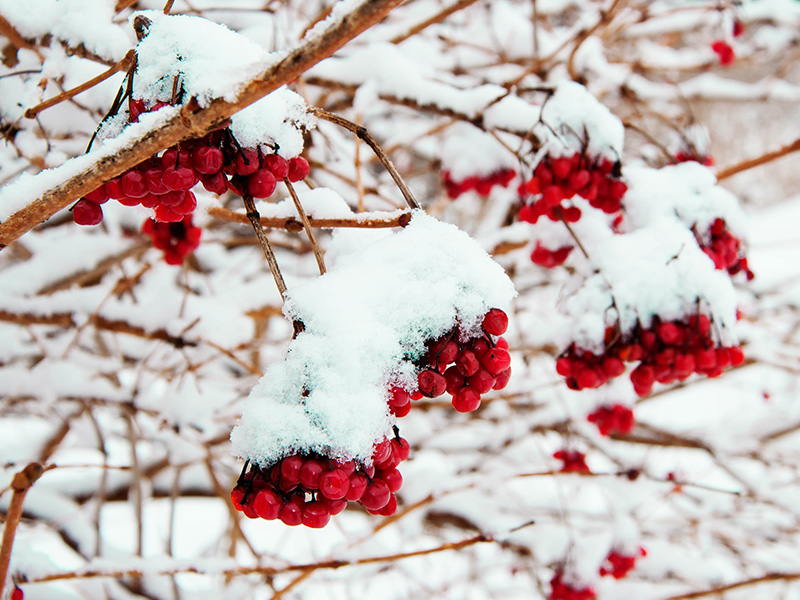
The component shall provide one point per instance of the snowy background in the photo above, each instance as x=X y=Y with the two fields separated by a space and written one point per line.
x=124 y=376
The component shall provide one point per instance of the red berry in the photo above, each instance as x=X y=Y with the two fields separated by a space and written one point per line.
x=207 y=160
x=334 y=484
x=310 y=473
x=216 y=184
x=87 y=213
x=376 y=495
x=180 y=179
x=467 y=363
x=466 y=399
x=246 y=162
x=261 y=184
x=298 y=169
x=267 y=504
x=392 y=477
x=495 y=322
x=98 y=196
x=502 y=380
x=496 y=360
x=358 y=484
x=482 y=381
x=278 y=165
x=431 y=383
x=16 y=594
x=133 y=185
x=292 y=512
x=316 y=514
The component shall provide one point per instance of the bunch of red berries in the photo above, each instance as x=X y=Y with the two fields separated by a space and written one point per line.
x=668 y=351
x=464 y=368
x=481 y=184
x=177 y=240
x=617 y=418
x=690 y=155
x=725 y=249
x=564 y=591
x=572 y=461
x=724 y=52
x=308 y=489
x=556 y=180
x=618 y=565
x=544 y=257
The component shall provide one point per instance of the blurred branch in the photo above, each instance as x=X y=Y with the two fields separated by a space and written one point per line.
x=293 y=225
x=771 y=577
x=20 y=485
x=437 y=18
x=757 y=162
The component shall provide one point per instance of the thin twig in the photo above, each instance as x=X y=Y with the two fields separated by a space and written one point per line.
x=255 y=221
x=66 y=95
x=20 y=485
x=8 y=30
x=307 y=226
x=437 y=18
x=193 y=121
x=293 y=225
x=716 y=591
x=363 y=134
x=757 y=162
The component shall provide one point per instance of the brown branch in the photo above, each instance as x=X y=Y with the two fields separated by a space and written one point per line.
x=770 y=577
x=437 y=18
x=122 y=65
x=293 y=225
x=195 y=122
x=20 y=485
x=8 y=30
x=307 y=226
x=757 y=162
x=329 y=564
x=364 y=135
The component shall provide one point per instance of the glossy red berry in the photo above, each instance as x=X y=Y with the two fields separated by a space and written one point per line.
x=298 y=169
x=87 y=213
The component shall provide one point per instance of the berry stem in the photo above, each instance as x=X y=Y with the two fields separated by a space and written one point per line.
x=20 y=485
x=757 y=162
x=306 y=225
x=363 y=134
x=255 y=220
x=572 y=232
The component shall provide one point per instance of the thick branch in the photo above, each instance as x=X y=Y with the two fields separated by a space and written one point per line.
x=196 y=122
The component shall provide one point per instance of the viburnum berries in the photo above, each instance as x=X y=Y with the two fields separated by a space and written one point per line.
x=564 y=591
x=309 y=489
x=618 y=565
x=545 y=257
x=724 y=52
x=617 y=418
x=724 y=249
x=481 y=184
x=16 y=593
x=177 y=239
x=573 y=461
x=668 y=351
x=557 y=180
x=463 y=367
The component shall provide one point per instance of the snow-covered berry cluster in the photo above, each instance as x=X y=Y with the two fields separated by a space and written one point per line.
x=466 y=368
x=560 y=590
x=616 y=418
x=177 y=240
x=725 y=249
x=164 y=182
x=307 y=489
x=482 y=184
x=668 y=351
x=618 y=564
x=557 y=180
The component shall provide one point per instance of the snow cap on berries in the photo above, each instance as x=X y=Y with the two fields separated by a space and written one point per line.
x=384 y=295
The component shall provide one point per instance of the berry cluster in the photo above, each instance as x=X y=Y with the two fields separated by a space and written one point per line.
x=164 y=182
x=177 y=240
x=544 y=257
x=572 y=461
x=564 y=591
x=669 y=351
x=612 y=419
x=481 y=184
x=618 y=565
x=307 y=490
x=725 y=249
x=724 y=52
x=689 y=155
x=556 y=180
x=465 y=369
